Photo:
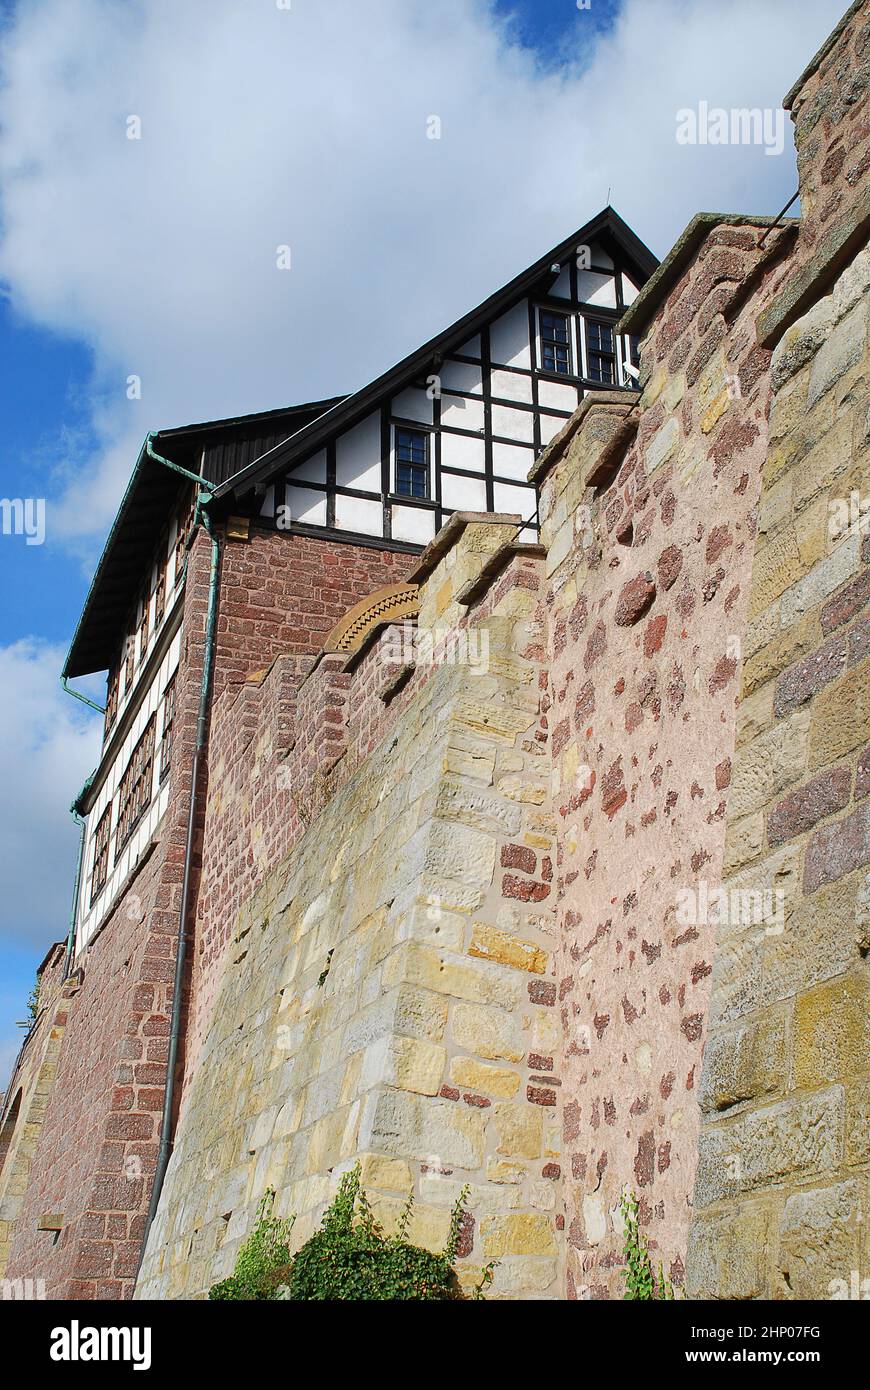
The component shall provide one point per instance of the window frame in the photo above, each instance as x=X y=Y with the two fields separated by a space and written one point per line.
x=184 y=527
x=591 y=322
x=568 y=345
x=101 y=854
x=425 y=467
x=170 y=695
x=113 y=686
x=136 y=787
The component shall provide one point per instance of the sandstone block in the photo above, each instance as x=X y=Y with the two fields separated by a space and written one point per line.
x=517 y=1234
x=491 y=1033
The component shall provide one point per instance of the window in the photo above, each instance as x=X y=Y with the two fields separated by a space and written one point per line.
x=160 y=590
x=412 y=463
x=600 y=351
x=555 y=343
x=143 y=625
x=129 y=663
x=100 y=870
x=185 y=526
x=112 y=697
x=134 y=793
x=168 y=718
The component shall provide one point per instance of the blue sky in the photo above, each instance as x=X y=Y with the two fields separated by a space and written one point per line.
x=157 y=257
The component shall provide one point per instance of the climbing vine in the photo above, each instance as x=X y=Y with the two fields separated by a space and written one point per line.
x=349 y=1257
x=640 y=1280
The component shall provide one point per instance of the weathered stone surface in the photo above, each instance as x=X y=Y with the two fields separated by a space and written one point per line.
x=727 y=1253
x=743 y=1063
x=794 y=1139
x=837 y=354
x=491 y=944
x=764 y=768
x=818 y=1240
x=634 y=600
x=490 y=1033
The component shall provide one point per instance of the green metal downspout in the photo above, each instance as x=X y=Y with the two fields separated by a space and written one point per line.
x=181 y=950
x=84 y=699
x=74 y=911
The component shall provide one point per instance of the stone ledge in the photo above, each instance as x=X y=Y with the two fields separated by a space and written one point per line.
x=638 y=317
x=557 y=446
x=449 y=535
x=836 y=248
x=498 y=561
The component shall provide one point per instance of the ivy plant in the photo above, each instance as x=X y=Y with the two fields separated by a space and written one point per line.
x=349 y=1257
x=640 y=1280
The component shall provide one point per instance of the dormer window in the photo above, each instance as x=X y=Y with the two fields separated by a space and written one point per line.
x=412 y=463
x=600 y=351
x=555 y=342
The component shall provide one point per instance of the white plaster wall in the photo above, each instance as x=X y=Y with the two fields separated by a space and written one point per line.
x=358 y=456
x=509 y=337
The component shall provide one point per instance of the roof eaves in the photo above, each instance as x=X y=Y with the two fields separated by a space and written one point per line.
x=106 y=551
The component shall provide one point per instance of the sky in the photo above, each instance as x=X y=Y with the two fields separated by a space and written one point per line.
x=153 y=158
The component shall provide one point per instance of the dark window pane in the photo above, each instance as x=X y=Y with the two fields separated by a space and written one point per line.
x=412 y=463
x=555 y=343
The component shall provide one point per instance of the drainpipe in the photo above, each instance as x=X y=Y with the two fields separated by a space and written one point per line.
x=181 y=949
x=73 y=916
x=84 y=699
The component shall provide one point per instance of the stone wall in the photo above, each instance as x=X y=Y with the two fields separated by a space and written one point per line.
x=388 y=994
x=648 y=510
x=784 y=1168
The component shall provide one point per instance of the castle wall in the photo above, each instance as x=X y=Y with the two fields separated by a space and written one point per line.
x=648 y=513
x=784 y=1165
x=96 y=1150
x=388 y=995
x=280 y=597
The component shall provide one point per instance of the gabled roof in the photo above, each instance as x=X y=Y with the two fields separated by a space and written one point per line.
x=607 y=225
x=287 y=436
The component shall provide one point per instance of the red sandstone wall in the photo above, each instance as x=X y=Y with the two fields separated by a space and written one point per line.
x=646 y=625
x=98 y=1145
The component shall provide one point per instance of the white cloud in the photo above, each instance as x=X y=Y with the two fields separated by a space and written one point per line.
x=264 y=126
x=50 y=744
